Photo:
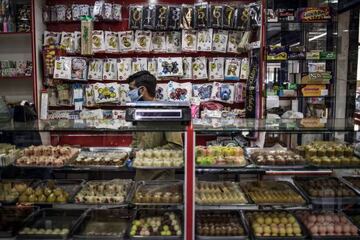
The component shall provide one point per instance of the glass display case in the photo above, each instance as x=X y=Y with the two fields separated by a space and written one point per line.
x=248 y=172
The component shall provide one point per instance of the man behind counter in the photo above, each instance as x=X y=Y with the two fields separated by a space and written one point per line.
x=143 y=88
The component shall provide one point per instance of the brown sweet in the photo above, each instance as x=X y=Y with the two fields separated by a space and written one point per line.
x=326 y=188
x=219 y=224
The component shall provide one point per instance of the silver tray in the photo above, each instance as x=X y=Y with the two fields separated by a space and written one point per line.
x=101 y=149
x=159 y=183
x=71 y=186
x=334 y=237
x=126 y=199
x=29 y=182
x=303 y=229
x=327 y=200
x=245 y=237
x=223 y=166
x=345 y=179
x=248 y=204
x=249 y=151
x=291 y=186
x=158 y=168
x=156 y=237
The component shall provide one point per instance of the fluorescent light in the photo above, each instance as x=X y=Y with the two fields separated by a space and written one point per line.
x=316 y=37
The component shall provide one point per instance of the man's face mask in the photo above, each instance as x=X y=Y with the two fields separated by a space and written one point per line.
x=135 y=95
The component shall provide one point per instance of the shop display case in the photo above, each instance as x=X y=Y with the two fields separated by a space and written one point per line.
x=196 y=192
x=170 y=169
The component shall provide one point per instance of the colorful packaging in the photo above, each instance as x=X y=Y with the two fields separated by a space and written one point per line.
x=126 y=41
x=204 y=40
x=202 y=91
x=124 y=66
x=111 y=41
x=110 y=69
x=95 y=69
x=139 y=64
x=216 y=68
x=220 y=40
x=232 y=69
x=199 y=68
x=179 y=91
x=170 y=67
x=189 y=41
x=142 y=41
x=78 y=69
x=223 y=92
x=62 y=68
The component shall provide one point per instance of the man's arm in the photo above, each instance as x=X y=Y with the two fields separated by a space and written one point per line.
x=173 y=141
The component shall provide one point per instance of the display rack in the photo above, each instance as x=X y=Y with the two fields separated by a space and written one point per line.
x=299 y=36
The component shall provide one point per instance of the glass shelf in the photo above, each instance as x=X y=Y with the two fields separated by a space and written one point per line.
x=278 y=126
x=239 y=125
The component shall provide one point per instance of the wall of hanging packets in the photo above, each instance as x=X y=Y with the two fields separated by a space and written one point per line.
x=214 y=68
x=196 y=16
x=205 y=40
x=100 y=11
x=90 y=95
x=216 y=28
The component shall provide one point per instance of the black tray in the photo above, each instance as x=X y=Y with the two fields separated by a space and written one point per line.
x=348 y=181
x=351 y=213
x=303 y=229
x=291 y=186
x=241 y=220
x=127 y=197
x=158 y=212
x=160 y=184
x=103 y=218
x=336 y=237
x=11 y=218
x=250 y=151
x=71 y=186
x=327 y=200
x=52 y=218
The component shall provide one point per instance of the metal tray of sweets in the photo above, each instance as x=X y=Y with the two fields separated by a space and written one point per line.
x=335 y=237
x=11 y=218
x=249 y=223
x=155 y=213
x=242 y=223
x=102 y=154
x=247 y=204
x=82 y=198
x=159 y=186
x=250 y=151
x=111 y=224
x=70 y=186
x=28 y=182
x=299 y=181
x=274 y=204
x=350 y=182
x=50 y=219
